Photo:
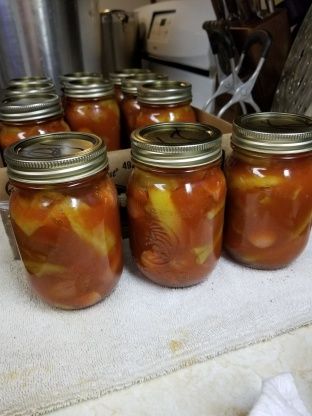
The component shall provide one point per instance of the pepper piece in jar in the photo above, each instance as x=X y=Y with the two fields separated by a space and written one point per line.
x=176 y=224
x=85 y=267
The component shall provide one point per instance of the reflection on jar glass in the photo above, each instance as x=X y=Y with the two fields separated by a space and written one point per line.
x=176 y=197
x=269 y=202
x=165 y=101
x=65 y=218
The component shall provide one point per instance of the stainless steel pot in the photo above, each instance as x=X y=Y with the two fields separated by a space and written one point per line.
x=119 y=40
x=38 y=37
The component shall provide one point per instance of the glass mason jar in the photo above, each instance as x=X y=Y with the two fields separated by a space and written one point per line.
x=90 y=106
x=74 y=76
x=129 y=106
x=65 y=218
x=118 y=77
x=176 y=196
x=269 y=201
x=164 y=101
x=28 y=115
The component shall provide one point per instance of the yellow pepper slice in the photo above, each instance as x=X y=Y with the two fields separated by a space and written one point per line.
x=31 y=213
x=304 y=224
x=204 y=251
x=100 y=237
x=212 y=213
x=244 y=182
x=164 y=208
x=40 y=269
x=56 y=206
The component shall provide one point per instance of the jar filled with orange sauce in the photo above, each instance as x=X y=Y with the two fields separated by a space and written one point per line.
x=269 y=201
x=176 y=197
x=118 y=77
x=75 y=76
x=78 y=75
x=64 y=213
x=27 y=115
x=129 y=106
x=164 y=101
x=90 y=106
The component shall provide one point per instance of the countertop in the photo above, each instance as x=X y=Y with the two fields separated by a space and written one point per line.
x=227 y=385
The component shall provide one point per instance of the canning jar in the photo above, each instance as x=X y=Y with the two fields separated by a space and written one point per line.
x=129 y=106
x=27 y=115
x=64 y=214
x=176 y=196
x=74 y=76
x=269 y=201
x=118 y=76
x=90 y=106
x=164 y=101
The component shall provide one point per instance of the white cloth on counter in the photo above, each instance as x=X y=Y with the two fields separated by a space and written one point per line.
x=279 y=397
x=51 y=358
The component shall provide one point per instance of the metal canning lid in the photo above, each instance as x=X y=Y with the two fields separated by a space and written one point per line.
x=29 y=107
x=78 y=75
x=176 y=145
x=165 y=92
x=29 y=80
x=272 y=132
x=118 y=76
x=89 y=88
x=25 y=88
x=135 y=71
x=55 y=158
x=130 y=85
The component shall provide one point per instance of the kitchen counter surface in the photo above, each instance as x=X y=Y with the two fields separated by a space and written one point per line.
x=227 y=385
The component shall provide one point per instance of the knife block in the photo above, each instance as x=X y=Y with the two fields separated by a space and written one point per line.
x=278 y=26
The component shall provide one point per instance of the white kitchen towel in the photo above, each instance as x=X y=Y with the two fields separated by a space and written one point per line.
x=51 y=358
x=279 y=397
